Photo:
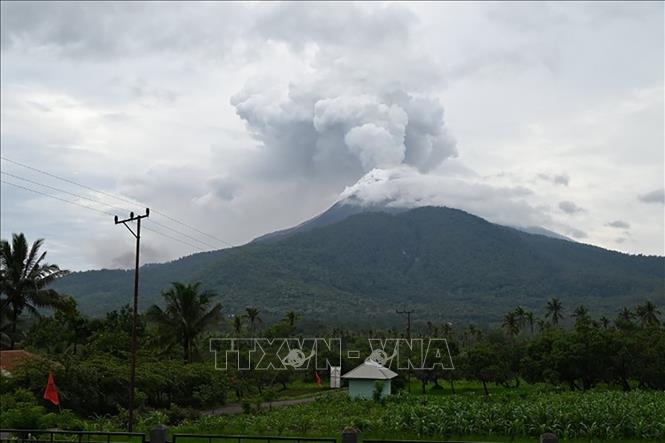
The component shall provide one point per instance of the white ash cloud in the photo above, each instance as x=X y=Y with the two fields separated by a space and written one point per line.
x=349 y=134
x=406 y=187
x=343 y=112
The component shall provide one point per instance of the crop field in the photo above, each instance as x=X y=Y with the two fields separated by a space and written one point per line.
x=590 y=416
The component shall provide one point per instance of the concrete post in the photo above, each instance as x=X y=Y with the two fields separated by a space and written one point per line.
x=548 y=438
x=349 y=435
x=159 y=434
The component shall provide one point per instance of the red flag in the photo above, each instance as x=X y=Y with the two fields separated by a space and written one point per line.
x=51 y=392
x=317 y=378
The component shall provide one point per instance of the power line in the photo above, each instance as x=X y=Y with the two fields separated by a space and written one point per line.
x=56 y=198
x=115 y=208
x=134 y=203
x=181 y=233
x=60 y=190
x=44 y=194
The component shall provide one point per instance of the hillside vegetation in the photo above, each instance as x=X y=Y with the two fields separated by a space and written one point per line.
x=447 y=264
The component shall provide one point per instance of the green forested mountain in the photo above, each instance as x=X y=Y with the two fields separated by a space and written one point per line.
x=445 y=263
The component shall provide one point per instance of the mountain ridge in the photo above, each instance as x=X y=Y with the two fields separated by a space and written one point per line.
x=444 y=262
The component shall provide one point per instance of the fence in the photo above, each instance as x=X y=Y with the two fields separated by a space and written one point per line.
x=159 y=435
x=56 y=436
x=195 y=438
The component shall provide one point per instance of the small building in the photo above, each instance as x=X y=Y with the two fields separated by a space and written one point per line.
x=363 y=379
x=11 y=360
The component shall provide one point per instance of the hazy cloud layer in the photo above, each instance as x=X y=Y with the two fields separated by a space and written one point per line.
x=243 y=118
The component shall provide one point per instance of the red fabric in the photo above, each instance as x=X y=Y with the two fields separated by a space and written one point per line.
x=317 y=378
x=51 y=392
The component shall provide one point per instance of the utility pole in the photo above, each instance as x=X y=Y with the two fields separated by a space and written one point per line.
x=132 y=370
x=408 y=338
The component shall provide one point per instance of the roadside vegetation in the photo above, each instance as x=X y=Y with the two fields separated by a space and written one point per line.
x=562 y=370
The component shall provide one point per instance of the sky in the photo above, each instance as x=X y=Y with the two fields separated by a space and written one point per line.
x=231 y=120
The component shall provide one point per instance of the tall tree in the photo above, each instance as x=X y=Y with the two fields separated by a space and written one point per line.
x=625 y=316
x=554 y=310
x=237 y=324
x=648 y=314
x=24 y=277
x=511 y=324
x=252 y=314
x=291 y=318
x=581 y=316
x=530 y=319
x=520 y=314
x=188 y=313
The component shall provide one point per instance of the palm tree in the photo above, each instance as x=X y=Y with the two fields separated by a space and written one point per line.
x=188 y=313
x=581 y=315
x=291 y=318
x=511 y=324
x=24 y=278
x=554 y=309
x=625 y=315
x=520 y=314
x=605 y=322
x=237 y=324
x=530 y=319
x=648 y=314
x=252 y=314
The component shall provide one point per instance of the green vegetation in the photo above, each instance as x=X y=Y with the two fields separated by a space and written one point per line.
x=596 y=415
x=188 y=314
x=444 y=262
x=24 y=278
x=566 y=371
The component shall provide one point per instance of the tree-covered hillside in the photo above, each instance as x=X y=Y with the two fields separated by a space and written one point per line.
x=447 y=264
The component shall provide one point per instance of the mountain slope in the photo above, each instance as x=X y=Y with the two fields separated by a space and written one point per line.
x=345 y=208
x=447 y=264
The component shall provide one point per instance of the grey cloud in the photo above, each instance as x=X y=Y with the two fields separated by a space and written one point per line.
x=125 y=259
x=329 y=23
x=619 y=224
x=222 y=188
x=557 y=179
x=140 y=89
x=569 y=207
x=115 y=29
x=561 y=179
x=656 y=196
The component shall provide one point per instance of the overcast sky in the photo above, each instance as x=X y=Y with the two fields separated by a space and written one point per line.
x=240 y=119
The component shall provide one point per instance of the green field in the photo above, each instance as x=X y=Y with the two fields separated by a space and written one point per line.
x=508 y=415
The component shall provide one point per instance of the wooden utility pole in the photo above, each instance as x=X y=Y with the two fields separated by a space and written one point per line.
x=132 y=370
x=408 y=338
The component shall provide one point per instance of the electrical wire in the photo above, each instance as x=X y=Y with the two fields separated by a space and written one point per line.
x=119 y=198
x=44 y=194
